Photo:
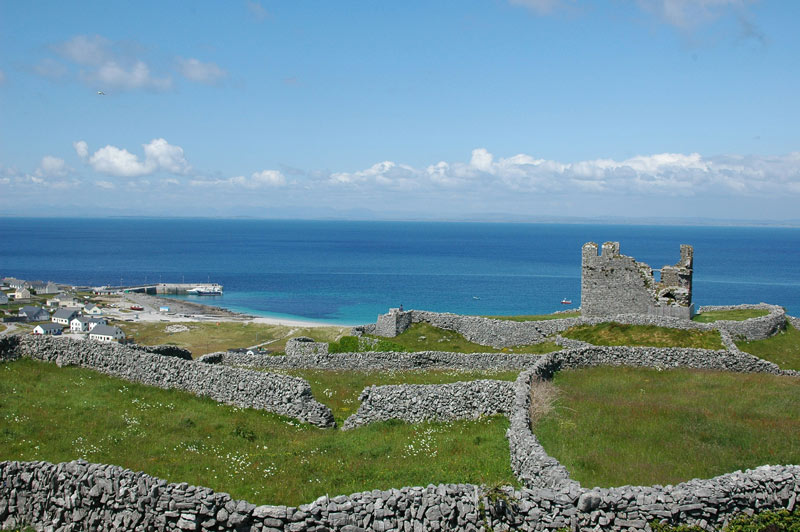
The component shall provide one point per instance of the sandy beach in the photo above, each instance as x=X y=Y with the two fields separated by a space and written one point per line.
x=181 y=310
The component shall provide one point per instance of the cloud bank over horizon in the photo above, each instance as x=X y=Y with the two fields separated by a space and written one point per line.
x=486 y=182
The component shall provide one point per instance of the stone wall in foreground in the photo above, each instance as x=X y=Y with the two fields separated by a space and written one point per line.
x=81 y=496
x=281 y=394
x=415 y=403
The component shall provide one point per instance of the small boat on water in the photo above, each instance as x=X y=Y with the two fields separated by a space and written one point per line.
x=566 y=301
x=206 y=290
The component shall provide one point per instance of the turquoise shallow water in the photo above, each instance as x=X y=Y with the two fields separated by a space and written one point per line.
x=348 y=272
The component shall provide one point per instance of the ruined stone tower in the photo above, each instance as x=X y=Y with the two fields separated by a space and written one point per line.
x=612 y=284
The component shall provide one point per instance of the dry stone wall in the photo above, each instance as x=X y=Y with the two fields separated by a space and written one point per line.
x=506 y=333
x=82 y=496
x=415 y=403
x=281 y=394
x=377 y=360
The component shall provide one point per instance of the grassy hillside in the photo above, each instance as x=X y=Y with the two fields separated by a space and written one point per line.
x=60 y=414
x=730 y=315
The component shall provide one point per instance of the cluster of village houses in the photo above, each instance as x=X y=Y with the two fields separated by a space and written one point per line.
x=66 y=310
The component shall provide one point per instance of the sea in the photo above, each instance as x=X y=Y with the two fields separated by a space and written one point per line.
x=341 y=272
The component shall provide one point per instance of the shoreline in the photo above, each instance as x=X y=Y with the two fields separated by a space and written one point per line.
x=182 y=310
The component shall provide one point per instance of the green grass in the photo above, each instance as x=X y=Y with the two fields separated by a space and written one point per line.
x=616 y=426
x=339 y=390
x=613 y=333
x=730 y=315
x=538 y=317
x=208 y=337
x=782 y=349
x=426 y=337
x=60 y=414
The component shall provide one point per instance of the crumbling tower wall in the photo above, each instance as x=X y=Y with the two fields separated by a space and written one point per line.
x=612 y=283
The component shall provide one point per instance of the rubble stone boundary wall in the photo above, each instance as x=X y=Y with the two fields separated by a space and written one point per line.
x=377 y=360
x=280 y=394
x=506 y=333
x=531 y=463
x=415 y=403
x=82 y=496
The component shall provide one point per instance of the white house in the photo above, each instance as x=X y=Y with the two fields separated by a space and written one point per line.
x=66 y=300
x=85 y=324
x=22 y=293
x=50 y=288
x=64 y=315
x=106 y=333
x=14 y=283
x=47 y=328
x=92 y=310
x=3 y=298
x=33 y=313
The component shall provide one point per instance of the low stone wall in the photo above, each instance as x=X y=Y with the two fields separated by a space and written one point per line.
x=303 y=345
x=82 y=496
x=415 y=403
x=281 y=394
x=506 y=333
x=378 y=360
x=164 y=350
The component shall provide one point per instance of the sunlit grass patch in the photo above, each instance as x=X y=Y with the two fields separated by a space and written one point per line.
x=616 y=426
x=208 y=337
x=730 y=315
x=782 y=349
x=612 y=333
x=61 y=414
x=538 y=317
x=426 y=337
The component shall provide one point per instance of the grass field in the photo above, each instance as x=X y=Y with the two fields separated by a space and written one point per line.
x=616 y=426
x=340 y=389
x=613 y=333
x=782 y=349
x=731 y=315
x=208 y=337
x=538 y=317
x=60 y=414
x=425 y=337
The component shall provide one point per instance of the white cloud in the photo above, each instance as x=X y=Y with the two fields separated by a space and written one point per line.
x=257 y=10
x=662 y=175
x=88 y=50
x=542 y=7
x=52 y=167
x=265 y=178
x=135 y=76
x=108 y=185
x=81 y=148
x=686 y=14
x=158 y=155
x=195 y=70
x=102 y=65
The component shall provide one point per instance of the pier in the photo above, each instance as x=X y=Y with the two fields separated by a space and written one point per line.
x=153 y=288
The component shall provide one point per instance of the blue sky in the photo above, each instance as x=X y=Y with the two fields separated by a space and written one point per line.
x=494 y=109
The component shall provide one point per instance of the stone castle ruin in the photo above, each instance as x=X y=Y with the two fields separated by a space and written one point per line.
x=613 y=284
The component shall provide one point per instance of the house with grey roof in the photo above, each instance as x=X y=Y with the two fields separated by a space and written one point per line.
x=106 y=333
x=22 y=293
x=31 y=313
x=47 y=328
x=64 y=315
x=92 y=310
x=85 y=324
x=3 y=298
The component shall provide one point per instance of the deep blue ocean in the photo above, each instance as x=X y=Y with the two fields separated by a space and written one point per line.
x=348 y=272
